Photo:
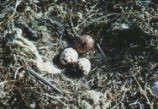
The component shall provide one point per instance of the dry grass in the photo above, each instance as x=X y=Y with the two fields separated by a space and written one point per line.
x=124 y=59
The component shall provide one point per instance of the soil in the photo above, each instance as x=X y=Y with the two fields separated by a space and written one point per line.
x=124 y=58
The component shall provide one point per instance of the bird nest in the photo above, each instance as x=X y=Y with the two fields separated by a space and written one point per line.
x=123 y=61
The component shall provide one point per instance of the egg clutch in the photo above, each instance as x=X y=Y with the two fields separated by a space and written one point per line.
x=69 y=56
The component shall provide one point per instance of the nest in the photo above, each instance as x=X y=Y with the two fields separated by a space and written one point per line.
x=124 y=58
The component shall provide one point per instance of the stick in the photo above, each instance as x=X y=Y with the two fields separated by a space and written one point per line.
x=43 y=80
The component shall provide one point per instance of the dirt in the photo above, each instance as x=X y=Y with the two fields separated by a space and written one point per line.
x=124 y=58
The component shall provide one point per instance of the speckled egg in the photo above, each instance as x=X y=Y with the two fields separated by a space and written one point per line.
x=84 y=65
x=68 y=56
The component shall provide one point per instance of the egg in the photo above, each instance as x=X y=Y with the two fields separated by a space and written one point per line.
x=68 y=56
x=84 y=43
x=84 y=65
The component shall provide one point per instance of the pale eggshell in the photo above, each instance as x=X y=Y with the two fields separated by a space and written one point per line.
x=68 y=56
x=84 y=65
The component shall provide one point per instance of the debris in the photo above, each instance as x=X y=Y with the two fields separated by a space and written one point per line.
x=25 y=43
x=94 y=96
x=154 y=87
x=125 y=34
x=54 y=24
x=85 y=105
x=27 y=30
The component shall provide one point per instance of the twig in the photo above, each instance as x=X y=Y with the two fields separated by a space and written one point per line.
x=17 y=71
x=101 y=51
x=103 y=54
x=123 y=96
x=43 y=80
x=14 y=11
x=143 y=92
x=73 y=27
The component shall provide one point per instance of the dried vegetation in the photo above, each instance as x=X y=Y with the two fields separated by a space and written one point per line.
x=124 y=59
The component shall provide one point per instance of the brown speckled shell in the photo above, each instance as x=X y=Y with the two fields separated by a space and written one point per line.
x=84 y=44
